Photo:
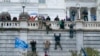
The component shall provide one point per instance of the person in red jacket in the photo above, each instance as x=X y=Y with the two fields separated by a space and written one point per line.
x=32 y=18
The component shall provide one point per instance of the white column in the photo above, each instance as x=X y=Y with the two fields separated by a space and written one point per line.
x=23 y=36
x=98 y=10
x=79 y=36
x=98 y=14
x=68 y=12
x=79 y=14
x=89 y=14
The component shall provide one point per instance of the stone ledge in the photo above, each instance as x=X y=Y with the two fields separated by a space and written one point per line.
x=4 y=29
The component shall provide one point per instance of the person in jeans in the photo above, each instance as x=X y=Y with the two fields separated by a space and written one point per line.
x=46 y=45
x=73 y=13
x=57 y=41
x=85 y=13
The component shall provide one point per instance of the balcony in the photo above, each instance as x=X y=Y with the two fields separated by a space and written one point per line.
x=54 y=25
x=82 y=3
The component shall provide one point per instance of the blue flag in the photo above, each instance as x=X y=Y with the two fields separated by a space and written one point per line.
x=84 y=52
x=20 y=44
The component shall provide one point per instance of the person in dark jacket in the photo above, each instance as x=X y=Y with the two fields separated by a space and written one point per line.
x=33 y=47
x=48 y=18
x=57 y=41
x=62 y=24
x=73 y=13
x=85 y=15
x=14 y=18
x=71 y=31
x=56 y=19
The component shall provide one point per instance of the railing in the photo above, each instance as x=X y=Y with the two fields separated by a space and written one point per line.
x=9 y=24
x=33 y=25
x=91 y=25
x=54 y=25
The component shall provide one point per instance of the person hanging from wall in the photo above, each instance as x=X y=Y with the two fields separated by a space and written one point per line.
x=71 y=30
x=46 y=46
x=33 y=47
x=40 y=22
x=57 y=41
x=85 y=15
x=48 y=27
x=43 y=21
x=73 y=13
x=57 y=18
x=62 y=23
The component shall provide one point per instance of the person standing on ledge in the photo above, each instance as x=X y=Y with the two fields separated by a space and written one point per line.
x=85 y=15
x=40 y=22
x=73 y=14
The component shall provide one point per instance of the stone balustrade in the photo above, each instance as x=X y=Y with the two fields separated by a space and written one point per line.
x=91 y=25
x=33 y=25
x=54 y=25
x=9 y=24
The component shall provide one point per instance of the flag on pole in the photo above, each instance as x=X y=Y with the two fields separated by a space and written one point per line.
x=20 y=44
x=84 y=52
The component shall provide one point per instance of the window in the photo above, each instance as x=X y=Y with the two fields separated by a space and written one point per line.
x=42 y=1
x=6 y=0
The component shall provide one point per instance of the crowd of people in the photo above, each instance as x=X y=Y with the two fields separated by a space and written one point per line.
x=73 y=13
x=46 y=44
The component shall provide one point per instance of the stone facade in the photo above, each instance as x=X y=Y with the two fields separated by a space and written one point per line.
x=86 y=35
